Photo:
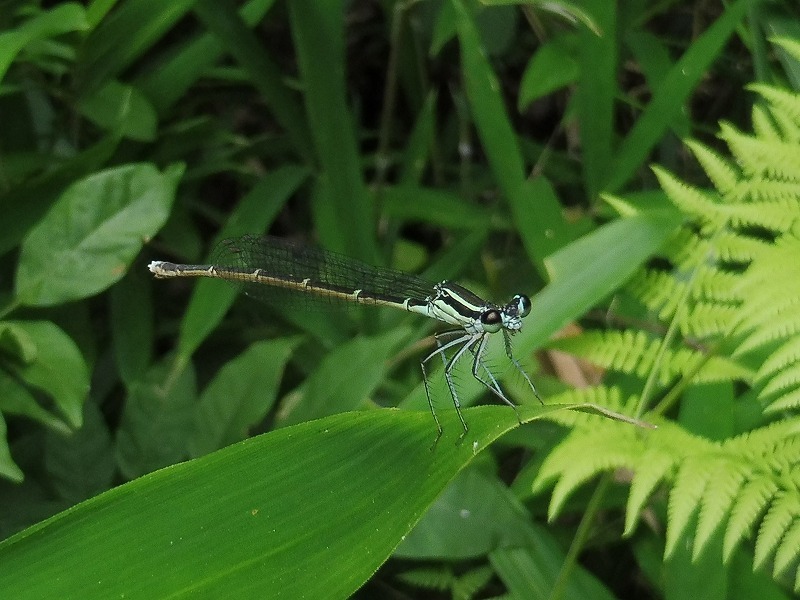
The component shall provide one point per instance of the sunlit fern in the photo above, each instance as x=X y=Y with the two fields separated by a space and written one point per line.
x=723 y=304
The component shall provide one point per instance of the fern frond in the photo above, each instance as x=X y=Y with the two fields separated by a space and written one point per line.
x=779 y=100
x=719 y=496
x=659 y=291
x=722 y=172
x=735 y=247
x=713 y=284
x=690 y=199
x=573 y=464
x=764 y=124
x=766 y=333
x=470 y=583
x=759 y=157
x=708 y=319
x=780 y=437
x=782 y=382
x=782 y=357
x=782 y=513
x=786 y=555
x=767 y=215
x=635 y=352
x=685 y=497
x=656 y=465
x=752 y=501
x=761 y=190
x=786 y=401
x=790 y=45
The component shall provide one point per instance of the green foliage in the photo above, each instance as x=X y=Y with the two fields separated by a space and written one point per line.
x=167 y=427
x=731 y=292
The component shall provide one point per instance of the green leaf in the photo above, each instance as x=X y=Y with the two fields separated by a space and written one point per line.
x=474 y=515
x=81 y=464
x=63 y=18
x=57 y=366
x=157 y=421
x=140 y=23
x=318 y=34
x=339 y=384
x=92 y=233
x=233 y=34
x=121 y=108
x=671 y=95
x=597 y=92
x=551 y=67
x=435 y=207
x=306 y=511
x=131 y=320
x=501 y=145
x=8 y=468
x=240 y=395
x=176 y=75
x=16 y=399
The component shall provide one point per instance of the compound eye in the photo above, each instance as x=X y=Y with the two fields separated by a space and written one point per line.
x=492 y=321
x=523 y=305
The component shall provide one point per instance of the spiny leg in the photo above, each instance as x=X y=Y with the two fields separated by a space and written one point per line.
x=478 y=361
x=441 y=349
x=507 y=343
x=430 y=404
x=477 y=353
x=468 y=340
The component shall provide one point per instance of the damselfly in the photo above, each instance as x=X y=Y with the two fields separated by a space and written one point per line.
x=261 y=265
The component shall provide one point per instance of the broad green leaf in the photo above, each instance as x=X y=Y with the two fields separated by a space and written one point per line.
x=81 y=464
x=92 y=233
x=131 y=320
x=25 y=205
x=551 y=67
x=157 y=421
x=121 y=108
x=8 y=468
x=56 y=367
x=240 y=395
x=63 y=18
x=306 y=511
x=16 y=399
x=472 y=517
x=341 y=382
x=607 y=257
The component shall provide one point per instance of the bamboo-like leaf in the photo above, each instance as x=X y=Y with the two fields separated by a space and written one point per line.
x=305 y=511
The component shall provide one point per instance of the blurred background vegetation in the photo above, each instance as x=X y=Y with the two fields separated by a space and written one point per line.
x=495 y=143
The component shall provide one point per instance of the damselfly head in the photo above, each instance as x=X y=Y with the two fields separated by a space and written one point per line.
x=513 y=312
